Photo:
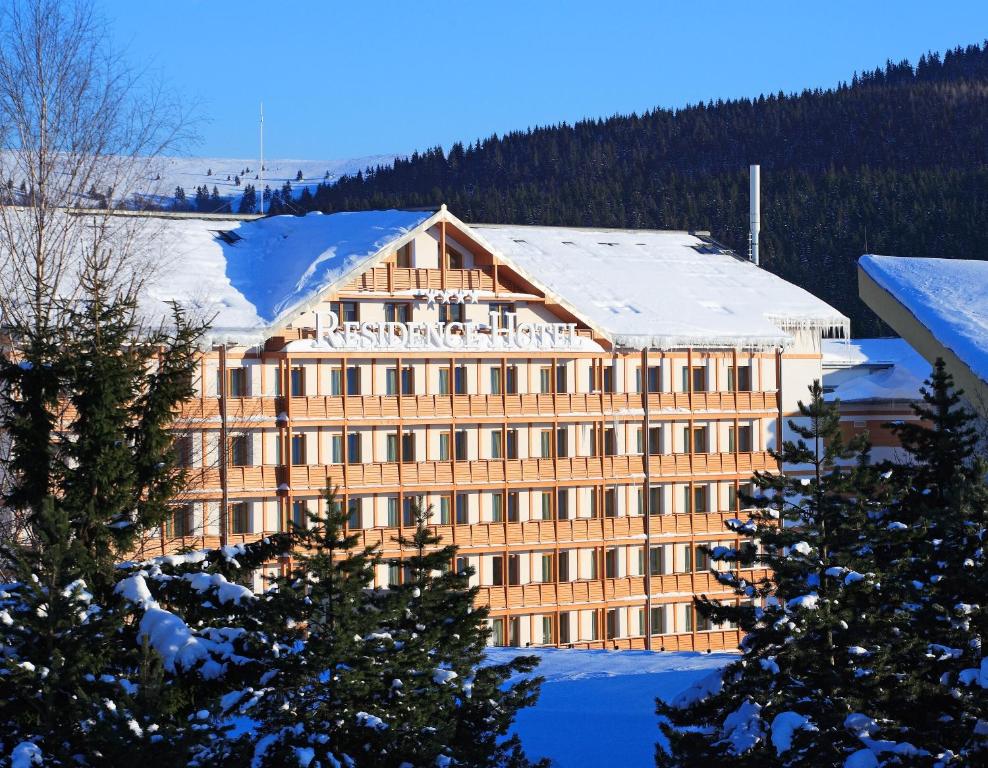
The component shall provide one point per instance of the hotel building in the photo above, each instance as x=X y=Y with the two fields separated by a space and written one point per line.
x=578 y=408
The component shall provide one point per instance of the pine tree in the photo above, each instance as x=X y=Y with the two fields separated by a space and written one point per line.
x=180 y=203
x=248 y=203
x=816 y=663
x=939 y=525
x=202 y=199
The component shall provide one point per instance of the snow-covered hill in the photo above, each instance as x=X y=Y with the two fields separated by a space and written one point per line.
x=221 y=172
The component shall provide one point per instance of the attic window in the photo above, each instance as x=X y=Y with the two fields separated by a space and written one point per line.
x=568 y=242
x=520 y=241
x=606 y=243
x=228 y=236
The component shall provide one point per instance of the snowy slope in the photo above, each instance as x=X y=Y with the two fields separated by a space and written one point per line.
x=191 y=172
x=948 y=296
x=597 y=708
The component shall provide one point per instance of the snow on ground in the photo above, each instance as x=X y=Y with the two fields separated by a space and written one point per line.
x=191 y=172
x=948 y=296
x=861 y=370
x=597 y=708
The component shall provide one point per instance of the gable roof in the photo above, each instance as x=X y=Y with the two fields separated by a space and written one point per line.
x=940 y=306
x=634 y=287
x=661 y=289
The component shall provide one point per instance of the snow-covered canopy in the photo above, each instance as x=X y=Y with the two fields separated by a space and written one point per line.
x=949 y=297
x=662 y=289
x=865 y=370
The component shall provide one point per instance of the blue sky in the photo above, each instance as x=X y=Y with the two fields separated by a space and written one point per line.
x=344 y=79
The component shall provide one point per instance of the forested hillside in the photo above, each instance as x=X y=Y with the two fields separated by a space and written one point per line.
x=894 y=162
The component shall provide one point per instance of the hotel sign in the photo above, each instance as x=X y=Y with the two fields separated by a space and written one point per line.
x=467 y=335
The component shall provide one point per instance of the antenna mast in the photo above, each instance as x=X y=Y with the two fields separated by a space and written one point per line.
x=260 y=173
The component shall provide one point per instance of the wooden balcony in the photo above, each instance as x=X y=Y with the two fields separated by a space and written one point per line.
x=531 y=406
x=715 y=640
x=427 y=474
x=404 y=279
x=237 y=409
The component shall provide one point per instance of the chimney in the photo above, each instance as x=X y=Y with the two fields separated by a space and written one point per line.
x=755 y=213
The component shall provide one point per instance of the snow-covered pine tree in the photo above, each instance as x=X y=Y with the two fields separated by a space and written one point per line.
x=326 y=631
x=814 y=656
x=938 y=528
x=451 y=708
x=86 y=405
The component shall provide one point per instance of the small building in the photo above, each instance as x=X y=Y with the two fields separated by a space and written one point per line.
x=876 y=382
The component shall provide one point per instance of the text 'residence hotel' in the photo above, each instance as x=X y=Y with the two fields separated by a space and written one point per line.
x=578 y=408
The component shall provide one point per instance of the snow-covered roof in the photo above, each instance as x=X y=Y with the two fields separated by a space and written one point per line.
x=636 y=287
x=661 y=289
x=277 y=264
x=949 y=297
x=868 y=370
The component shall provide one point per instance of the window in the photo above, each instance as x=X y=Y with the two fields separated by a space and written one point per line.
x=335 y=382
x=403 y=257
x=391 y=382
x=444 y=446
x=593 y=503
x=699 y=378
x=688 y=618
x=546 y=505
x=562 y=505
x=514 y=570
x=512 y=379
x=461 y=445
x=547 y=629
x=545 y=380
x=353 y=516
x=655 y=441
x=595 y=625
x=545 y=443
x=498 y=312
x=239 y=447
x=546 y=561
x=394 y=574
x=397 y=312
x=732 y=498
x=655 y=561
x=348 y=311
x=610 y=502
x=611 y=563
x=564 y=566
x=496 y=388
x=497 y=508
x=460 y=380
x=444 y=381
x=239 y=516
x=353 y=447
x=298 y=450
x=408 y=447
x=612 y=623
x=298 y=381
x=562 y=442
x=564 y=627
x=409 y=511
x=654 y=378
x=610 y=442
x=300 y=514
x=743 y=376
x=452 y=313
x=237 y=382
x=658 y=621
x=183 y=451
x=392 y=512
x=512 y=506
x=444 y=514
x=497 y=632
x=353 y=380
x=408 y=380
x=391 y=447
x=462 y=508
x=336 y=449
x=655 y=500
x=512 y=444
x=700 y=499
x=497 y=437
x=454 y=260
x=561 y=377
x=497 y=571
x=179 y=522
x=609 y=378
x=702 y=559
x=695 y=441
x=743 y=440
